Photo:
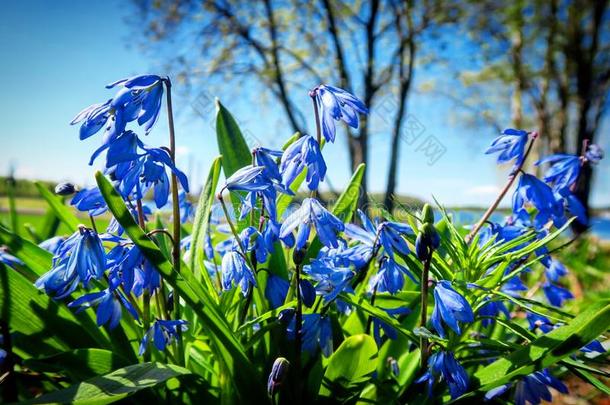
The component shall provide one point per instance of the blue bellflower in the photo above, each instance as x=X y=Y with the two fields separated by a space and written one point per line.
x=316 y=332
x=532 y=191
x=267 y=158
x=443 y=366
x=9 y=259
x=276 y=290
x=511 y=145
x=90 y=200
x=555 y=294
x=387 y=234
x=564 y=170
x=302 y=154
x=330 y=280
x=81 y=257
x=336 y=104
x=533 y=388
x=450 y=307
x=312 y=213
x=149 y=171
x=162 y=333
x=236 y=270
x=109 y=305
x=390 y=277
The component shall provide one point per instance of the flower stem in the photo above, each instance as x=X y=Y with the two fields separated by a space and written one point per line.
x=423 y=347
x=176 y=211
x=317 y=115
x=498 y=200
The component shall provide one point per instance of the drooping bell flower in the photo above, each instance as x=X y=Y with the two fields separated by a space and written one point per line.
x=336 y=104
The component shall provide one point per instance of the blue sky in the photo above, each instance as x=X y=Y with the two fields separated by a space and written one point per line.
x=57 y=57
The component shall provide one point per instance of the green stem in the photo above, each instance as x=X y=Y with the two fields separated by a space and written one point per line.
x=424 y=311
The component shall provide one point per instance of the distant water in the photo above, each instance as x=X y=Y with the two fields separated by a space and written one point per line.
x=600 y=226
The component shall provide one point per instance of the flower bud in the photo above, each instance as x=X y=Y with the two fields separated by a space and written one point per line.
x=427 y=214
x=427 y=241
x=278 y=374
x=298 y=255
x=65 y=189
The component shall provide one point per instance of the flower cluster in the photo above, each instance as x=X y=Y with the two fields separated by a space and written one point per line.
x=110 y=263
x=304 y=273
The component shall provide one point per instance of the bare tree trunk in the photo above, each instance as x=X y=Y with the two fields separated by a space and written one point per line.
x=405 y=79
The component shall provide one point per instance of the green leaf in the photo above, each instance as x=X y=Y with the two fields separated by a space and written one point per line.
x=37 y=260
x=201 y=224
x=196 y=296
x=114 y=386
x=41 y=325
x=547 y=349
x=78 y=364
x=57 y=205
x=350 y=367
x=346 y=205
x=231 y=144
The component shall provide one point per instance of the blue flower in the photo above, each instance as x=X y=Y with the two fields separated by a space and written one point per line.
x=450 y=307
x=109 y=305
x=146 y=92
x=253 y=241
x=387 y=234
x=267 y=158
x=511 y=145
x=316 y=332
x=149 y=170
x=532 y=388
x=312 y=213
x=390 y=277
x=235 y=270
x=390 y=237
x=344 y=256
x=389 y=331
x=443 y=366
x=492 y=309
x=331 y=280
x=93 y=118
x=554 y=269
x=555 y=294
x=52 y=245
x=276 y=290
x=564 y=170
x=302 y=154
x=81 y=257
x=538 y=321
x=427 y=241
x=162 y=333
x=532 y=191
x=336 y=104
x=122 y=150
x=248 y=178
x=90 y=200
x=9 y=259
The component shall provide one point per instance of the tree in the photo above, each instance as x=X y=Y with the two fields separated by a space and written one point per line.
x=554 y=58
x=368 y=48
